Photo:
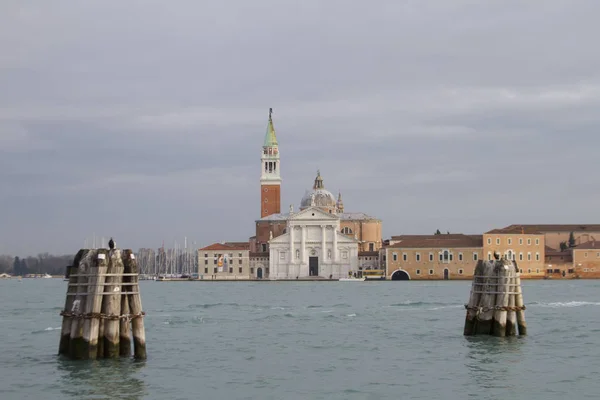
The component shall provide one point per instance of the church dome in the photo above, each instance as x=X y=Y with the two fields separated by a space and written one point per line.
x=319 y=197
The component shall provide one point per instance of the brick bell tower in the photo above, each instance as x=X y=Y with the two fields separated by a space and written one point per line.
x=270 y=177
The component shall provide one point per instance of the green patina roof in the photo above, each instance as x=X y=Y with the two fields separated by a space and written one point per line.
x=270 y=138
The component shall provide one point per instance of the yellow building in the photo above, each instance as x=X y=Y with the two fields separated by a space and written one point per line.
x=228 y=260
x=450 y=256
x=523 y=244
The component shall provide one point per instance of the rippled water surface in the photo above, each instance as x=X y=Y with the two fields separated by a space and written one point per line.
x=304 y=340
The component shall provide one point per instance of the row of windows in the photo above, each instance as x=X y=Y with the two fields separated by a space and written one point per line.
x=432 y=271
x=510 y=255
x=216 y=270
x=215 y=261
x=217 y=255
x=586 y=255
x=509 y=241
x=444 y=256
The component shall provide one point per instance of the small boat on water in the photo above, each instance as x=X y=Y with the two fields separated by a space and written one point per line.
x=47 y=276
x=352 y=279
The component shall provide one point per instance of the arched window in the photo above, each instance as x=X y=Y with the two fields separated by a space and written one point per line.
x=347 y=231
x=297 y=254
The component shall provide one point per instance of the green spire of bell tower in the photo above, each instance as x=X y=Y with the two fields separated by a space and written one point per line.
x=270 y=138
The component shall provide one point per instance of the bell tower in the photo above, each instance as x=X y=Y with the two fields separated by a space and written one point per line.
x=270 y=177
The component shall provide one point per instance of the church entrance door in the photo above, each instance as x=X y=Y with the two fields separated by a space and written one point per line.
x=313 y=266
x=259 y=273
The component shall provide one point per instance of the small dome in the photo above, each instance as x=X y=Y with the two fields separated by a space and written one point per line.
x=319 y=196
x=322 y=198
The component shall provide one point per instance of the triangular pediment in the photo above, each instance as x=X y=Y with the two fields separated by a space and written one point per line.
x=314 y=213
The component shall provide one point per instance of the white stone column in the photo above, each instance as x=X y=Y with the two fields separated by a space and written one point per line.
x=292 y=254
x=323 y=244
x=303 y=245
x=335 y=245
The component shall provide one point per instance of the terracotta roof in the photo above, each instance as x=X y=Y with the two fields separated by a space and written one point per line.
x=558 y=227
x=518 y=229
x=549 y=251
x=368 y=254
x=591 y=245
x=228 y=246
x=437 y=241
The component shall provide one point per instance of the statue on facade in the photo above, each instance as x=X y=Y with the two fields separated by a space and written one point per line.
x=270 y=235
x=312 y=200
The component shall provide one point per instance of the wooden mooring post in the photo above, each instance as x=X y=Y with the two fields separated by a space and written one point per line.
x=103 y=307
x=496 y=301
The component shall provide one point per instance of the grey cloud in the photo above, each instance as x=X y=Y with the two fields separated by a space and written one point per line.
x=442 y=114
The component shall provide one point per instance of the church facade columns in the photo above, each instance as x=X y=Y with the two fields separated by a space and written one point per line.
x=323 y=243
x=292 y=252
x=335 y=245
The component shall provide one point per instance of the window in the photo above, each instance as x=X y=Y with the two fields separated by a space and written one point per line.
x=430 y=256
x=509 y=255
x=475 y=257
x=215 y=270
x=509 y=241
x=528 y=256
x=489 y=241
x=497 y=240
x=537 y=256
x=529 y=271
x=395 y=257
x=404 y=257
x=347 y=231
x=206 y=270
x=537 y=271
x=297 y=254
x=215 y=261
x=231 y=270
x=264 y=247
x=282 y=255
x=520 y=256
x=251 y=270
x=521 y=270
x=520 y=240
x=598 y=255
x=460 y=256
x=585 y=254
x=418 y=257
x=430 y=272
x=344 y=255
x=418 y=272
x=240 y=255
x=537 y=242
x=205 y=255
x=460 y=271
x=489 y=256
x=528 y=242
x=371 y=247
x=240 y=261
x=240 y=270
x=205 y=262
x=329 y=254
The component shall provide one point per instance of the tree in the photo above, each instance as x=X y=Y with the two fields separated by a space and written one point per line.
x=438 y=232
x=571 y=240
x=17 y=266
x=563 y=246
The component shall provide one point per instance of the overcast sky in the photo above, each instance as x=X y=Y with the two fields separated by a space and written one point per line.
x=144 y=120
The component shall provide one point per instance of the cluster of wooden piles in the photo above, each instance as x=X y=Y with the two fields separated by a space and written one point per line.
x=496 y=302
x=103 y=308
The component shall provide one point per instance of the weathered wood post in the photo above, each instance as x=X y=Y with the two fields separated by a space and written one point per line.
x=76 y=343
x=111 y=305
x=135 y=306
x=65 y=332
x=496 y=302
x=103 y=304
x=93 y=305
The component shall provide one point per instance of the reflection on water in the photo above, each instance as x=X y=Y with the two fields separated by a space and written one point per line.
x=102 y=379
x=491 y=360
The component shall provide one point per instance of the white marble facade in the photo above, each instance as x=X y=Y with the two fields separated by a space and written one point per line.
x=312 y=246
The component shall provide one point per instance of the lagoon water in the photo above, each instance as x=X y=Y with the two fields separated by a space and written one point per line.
x=304 y=340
